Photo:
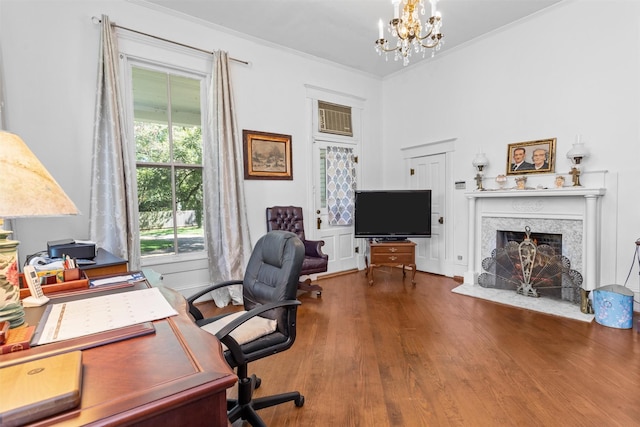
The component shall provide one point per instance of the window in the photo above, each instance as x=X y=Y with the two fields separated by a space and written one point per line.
x=168 y=141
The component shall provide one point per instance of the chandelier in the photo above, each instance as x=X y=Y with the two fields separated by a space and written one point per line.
x=411 y=34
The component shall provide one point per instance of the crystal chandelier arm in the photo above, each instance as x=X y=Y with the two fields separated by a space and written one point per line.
x=435 y=38
x=383 y=46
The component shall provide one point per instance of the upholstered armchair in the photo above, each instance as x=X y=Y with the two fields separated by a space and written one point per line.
x=289 y=218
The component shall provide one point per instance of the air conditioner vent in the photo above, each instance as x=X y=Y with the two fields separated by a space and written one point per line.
x=333 y=118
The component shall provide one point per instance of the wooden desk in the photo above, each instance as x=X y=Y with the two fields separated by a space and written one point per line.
x=106 y=263
x=175 y=376
x=392 y=254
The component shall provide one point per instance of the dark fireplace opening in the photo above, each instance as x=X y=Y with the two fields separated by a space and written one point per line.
x=550 y=239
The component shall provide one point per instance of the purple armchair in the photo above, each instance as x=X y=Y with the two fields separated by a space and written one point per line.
x=289 y=218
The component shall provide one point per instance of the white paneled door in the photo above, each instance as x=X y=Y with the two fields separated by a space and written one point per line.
x=339 y=240
x=429 y=174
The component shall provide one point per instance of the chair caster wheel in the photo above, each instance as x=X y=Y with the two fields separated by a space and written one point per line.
x=319 y=294
x=256 y=382
x=299 y=401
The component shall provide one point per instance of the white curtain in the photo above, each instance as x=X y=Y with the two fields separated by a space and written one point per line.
x=227 y=230
x=113 y=214
x=341 y=185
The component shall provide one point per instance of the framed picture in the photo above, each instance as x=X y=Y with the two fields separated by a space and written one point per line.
x=531 y=157
x=267 y=155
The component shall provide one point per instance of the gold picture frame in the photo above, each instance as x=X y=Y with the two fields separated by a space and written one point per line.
x=521 y=161
x=267 y=155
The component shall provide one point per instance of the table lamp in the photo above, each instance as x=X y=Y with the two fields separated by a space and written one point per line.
x=577 y=153
x=479 y=162
x=26 y=189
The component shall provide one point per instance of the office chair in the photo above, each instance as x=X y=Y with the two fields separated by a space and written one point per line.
x=268 y=324
x=289 y=218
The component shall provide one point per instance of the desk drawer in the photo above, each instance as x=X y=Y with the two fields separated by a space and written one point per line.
x=398 y=258
x=392 y=250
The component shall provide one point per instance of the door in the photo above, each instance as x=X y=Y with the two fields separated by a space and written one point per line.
x=429 y=174
x=339 y=240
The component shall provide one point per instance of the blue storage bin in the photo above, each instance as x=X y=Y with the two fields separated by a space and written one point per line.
x=613 y=306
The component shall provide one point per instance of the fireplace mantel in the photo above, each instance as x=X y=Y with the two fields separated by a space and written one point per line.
x=569 y=203
x=558 y=192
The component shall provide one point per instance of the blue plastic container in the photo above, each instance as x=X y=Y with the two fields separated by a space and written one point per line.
x=613 y=306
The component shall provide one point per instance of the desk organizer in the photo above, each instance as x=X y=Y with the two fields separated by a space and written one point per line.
x=82 y=283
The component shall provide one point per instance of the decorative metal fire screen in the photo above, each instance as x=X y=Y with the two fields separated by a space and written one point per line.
x=531 y=270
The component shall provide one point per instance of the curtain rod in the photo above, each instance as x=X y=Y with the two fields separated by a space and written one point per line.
x=97 y=20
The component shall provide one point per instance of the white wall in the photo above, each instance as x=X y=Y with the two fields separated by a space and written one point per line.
x=50 y=51
x=572 y=69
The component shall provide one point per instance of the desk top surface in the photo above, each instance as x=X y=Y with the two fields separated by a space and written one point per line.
x=130 y=373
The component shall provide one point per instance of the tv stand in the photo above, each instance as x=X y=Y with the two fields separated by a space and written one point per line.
x=391 y=254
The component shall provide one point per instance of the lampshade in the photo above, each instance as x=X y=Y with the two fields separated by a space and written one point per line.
x=26 y=187
x=480 y=160
x=578 y=151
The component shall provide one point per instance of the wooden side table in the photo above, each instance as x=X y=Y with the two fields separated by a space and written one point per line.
x=391 y=254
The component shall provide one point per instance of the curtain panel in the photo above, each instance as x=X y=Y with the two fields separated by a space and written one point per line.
x=114 y=203
x=227 y=233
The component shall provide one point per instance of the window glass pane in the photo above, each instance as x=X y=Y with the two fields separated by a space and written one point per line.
x=150 y=112
x=189 y=224
x=323 y=178
x=185 y=117
x=155 y=209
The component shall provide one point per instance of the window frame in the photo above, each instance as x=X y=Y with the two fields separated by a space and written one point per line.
x=140 y=51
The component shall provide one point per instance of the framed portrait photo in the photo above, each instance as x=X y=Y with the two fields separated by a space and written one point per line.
x=267 y=155
x=531 y=157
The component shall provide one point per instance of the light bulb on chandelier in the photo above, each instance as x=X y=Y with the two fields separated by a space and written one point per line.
x=408 y=29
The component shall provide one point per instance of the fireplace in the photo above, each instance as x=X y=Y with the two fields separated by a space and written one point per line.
x=572 y=212
x=531 y=264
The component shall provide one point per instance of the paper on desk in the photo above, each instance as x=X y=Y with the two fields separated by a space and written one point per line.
x=88 y=316
x=127 y=278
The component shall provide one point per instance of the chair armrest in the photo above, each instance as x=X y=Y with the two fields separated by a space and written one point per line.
x=193 y=298
x=313 y=248
x=232 y=344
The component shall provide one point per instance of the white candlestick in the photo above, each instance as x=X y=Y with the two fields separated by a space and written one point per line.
x=433 y=7
x=396 y=9
x=380 y=30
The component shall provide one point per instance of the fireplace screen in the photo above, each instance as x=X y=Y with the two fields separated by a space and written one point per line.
x=531 y=269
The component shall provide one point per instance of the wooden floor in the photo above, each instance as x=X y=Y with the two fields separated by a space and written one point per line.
x=394 y=354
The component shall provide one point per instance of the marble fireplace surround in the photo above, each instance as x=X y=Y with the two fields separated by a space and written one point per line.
x=573 y=212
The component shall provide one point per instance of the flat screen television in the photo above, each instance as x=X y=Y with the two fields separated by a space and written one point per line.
x=392 y=214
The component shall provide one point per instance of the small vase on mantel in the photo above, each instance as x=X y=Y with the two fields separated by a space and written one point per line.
x=501 y=180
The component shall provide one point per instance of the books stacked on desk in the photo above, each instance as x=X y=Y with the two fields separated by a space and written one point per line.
x=18 y=339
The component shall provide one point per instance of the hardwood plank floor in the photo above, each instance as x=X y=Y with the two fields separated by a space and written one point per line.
x=394 y=354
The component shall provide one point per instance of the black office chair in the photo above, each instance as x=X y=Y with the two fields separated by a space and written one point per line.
x=269 y=291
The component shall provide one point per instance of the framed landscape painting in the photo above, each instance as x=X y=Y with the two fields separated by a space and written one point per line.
x=267 y=155
x=531 y=157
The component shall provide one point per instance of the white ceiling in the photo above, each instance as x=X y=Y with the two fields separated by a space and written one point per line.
x=344 y=31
